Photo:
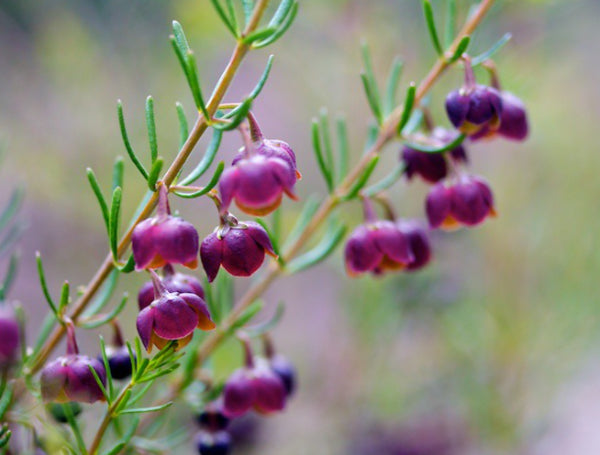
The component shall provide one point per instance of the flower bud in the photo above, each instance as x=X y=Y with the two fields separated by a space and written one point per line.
x=255 y=387
x=376 y=247
x=212 y=418
x=68 y=378
x=172 y=316
x=10 y=335
x=213 y=443
x=467 y=202
x=239 y=248
x=418 y=242
x=173 y=282
x=283 y=368
x=164 y=240
x=471 y=109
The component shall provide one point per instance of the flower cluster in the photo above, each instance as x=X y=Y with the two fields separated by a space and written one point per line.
x=456 y=198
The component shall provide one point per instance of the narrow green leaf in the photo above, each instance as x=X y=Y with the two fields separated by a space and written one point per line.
x=460 y=49
x=102 y=297
x=343 y=146
x=321 y=160
x=99 y=196
x=138 y=396
x=130 y=152
x=115 y=211
x=247 y=315
x=100 y=384
x=183 y=124
x=118 y=448
x=180 y=38
x=42 y=276
x=439 y=149
x=386 y=182
x=64 y=297
x=428 y=12
x=257 y=88
x=6 y=399
x=236 y=119
x=372 y=135
x=109 y=378
x=207 y=159
x=259 y=35
x=75 y=427
x=392 y=85
x=209 y=186
x=44 y=332
x=310 y=208
x=117 y=175
x=327 y=145
x=478 y=60
x=151 y=125
x=362 y=180
x=128 y=267
x=155 y=173
x=331 y=240
x=449 y=29
x=10 y=276
x=100 y=321
x=409 y=102
x=11 y=207
x=124 y=402
x=248 y=6
x=370 y=82
x=283 y=28
x=281 y=13
x=372 y=99
x=268 y=325
x=195 y=85
x=232 y=16
x=224 y=18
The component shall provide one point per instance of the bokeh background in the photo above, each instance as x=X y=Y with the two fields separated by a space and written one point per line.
x=492 y=350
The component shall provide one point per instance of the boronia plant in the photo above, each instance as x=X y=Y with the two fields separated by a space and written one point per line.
x=185 y=315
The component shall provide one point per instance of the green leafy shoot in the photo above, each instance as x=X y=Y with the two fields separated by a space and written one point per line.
x=99 y=196
x=479 y=59
x=151 y=125
x=44 y=285
x=206 y=160
x=226 y=18
x=130 y=152
x=117 y=175
x=183 y=124
x=435 y=40
x=115 y=212
x=324 y=165
x=392 y=85
x=409 y=102
x=209 y=186
x=281 y=22
x=460 y=49
x=362 y=180
x=155 y=173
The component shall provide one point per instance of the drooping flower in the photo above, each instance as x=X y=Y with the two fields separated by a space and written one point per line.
x=164 y=239
x=468 y=202
x=173 y=282
x=260 y=174
x=218 y=443
x=117 y=355
x=212 y=417
x=239 y=247
x=172 y=317
x=10 y=335
x=69 y=378
x=418 y=242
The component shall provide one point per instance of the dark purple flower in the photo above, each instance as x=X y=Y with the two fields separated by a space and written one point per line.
x=445 y=136
x=513 y=122
x=173 y=282
x=431 y=167
x=256 y=387
x=468 y=202
x=68 y=378
x=376 y=247
x=10 y=335
x=172 y=316
x=213 y=443
x=260 y=174
x=119 y=361
x=239 y=248
x=164 y=240
x=472 y=109
x=418 y=242
x=286 y=372
x=212 y=417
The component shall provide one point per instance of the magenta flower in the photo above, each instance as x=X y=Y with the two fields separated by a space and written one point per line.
x=164 y=239
x=239 y=247
x=172 y=317
x=513 y=122
x=472 y=109
x=418 y=242
x=260 y=174
x=257 y=388
x=467 y=202
x=376 y=247
x=10 y=335
x=173 y=282
x=69 y=378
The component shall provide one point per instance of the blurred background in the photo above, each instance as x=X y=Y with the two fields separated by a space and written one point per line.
x=493 y=349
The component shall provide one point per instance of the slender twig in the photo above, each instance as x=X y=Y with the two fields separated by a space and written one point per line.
x=108 y=418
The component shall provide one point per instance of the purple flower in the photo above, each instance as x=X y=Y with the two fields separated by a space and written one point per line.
x=10 y=335
x=283 y=368
x=418 y=242
x=164 y=240
x=260 y=174
x=239 y=248
x=376 y=247
x=468 y=202
x=257 y=388
x=474 y=108
x=218 y=443
x=172 y=316
x=119 y=361
x=173 y=282
x=68 y=378
x=513 y=122
x=212 y=417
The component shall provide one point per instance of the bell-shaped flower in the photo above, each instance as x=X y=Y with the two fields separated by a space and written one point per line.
x=164 y=239
x=418 y=242
x=173 y=282
x=468 y=202
x=239 y=247
x=260 y=174
x=172 y=317
x=473 y=109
